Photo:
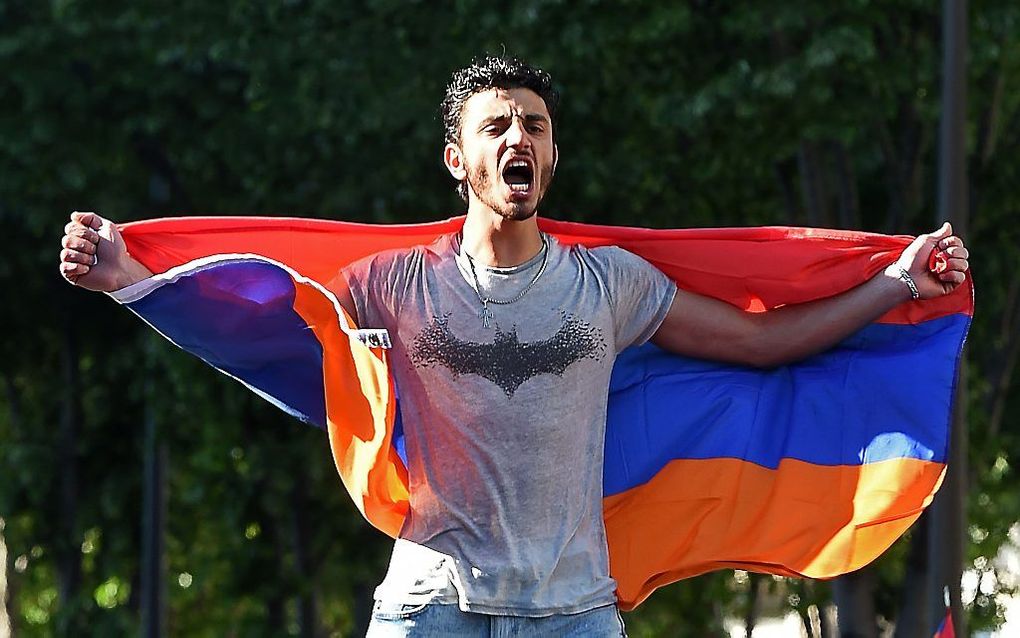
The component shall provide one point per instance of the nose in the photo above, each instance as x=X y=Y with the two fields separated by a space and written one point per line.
x=516 y=134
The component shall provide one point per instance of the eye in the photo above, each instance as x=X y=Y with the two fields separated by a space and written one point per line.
x=536 y=129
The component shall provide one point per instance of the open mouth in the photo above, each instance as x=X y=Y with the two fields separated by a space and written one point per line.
x=518 y=175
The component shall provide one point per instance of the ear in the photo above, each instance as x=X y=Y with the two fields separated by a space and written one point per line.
x=453 y=158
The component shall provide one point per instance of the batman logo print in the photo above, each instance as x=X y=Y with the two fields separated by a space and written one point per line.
x=507 y=361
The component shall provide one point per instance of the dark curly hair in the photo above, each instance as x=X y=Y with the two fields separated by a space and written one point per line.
x=487 y=73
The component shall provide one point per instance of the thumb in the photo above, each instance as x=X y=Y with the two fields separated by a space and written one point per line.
x=945 y=231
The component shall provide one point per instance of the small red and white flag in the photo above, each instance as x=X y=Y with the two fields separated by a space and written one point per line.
x=945 y=628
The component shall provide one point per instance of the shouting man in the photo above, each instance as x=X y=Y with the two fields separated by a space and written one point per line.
x=503 y=344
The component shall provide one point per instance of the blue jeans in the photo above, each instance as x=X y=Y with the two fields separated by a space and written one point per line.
x=432 y=620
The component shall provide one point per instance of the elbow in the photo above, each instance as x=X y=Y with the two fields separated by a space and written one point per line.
x=757 y=355
x=758 y=349
x=768 y=355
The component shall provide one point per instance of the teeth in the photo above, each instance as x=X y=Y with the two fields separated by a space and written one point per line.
x=515 y=187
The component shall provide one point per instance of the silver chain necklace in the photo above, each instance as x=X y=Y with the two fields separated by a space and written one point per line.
x=486 y=314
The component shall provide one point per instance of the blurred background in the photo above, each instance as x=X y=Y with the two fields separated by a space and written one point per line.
x=143 y=493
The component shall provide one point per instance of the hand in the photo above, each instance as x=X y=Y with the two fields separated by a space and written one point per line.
x=95 y=256
x=937 y=262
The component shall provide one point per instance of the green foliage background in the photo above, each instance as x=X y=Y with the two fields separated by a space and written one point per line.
x=674 y=114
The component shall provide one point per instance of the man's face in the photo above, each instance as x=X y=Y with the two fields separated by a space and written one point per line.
x=506 y=152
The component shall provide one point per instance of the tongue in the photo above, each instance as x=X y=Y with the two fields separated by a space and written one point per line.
x=517 y=176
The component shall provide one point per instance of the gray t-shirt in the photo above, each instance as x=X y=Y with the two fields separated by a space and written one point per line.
x=505 y=424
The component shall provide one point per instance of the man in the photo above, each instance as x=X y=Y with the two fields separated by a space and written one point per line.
x=504 y=341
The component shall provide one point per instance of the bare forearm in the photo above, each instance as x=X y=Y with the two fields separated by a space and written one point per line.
x=793 y=332
x=707 y=328
x=131 y=271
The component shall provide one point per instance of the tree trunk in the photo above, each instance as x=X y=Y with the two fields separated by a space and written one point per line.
x=1000 y=374
x=813 y=185
x=5 y=618
x=910 y=618
x=827 y=621
x=153 y=596
x=947 y=543
x=8 y=589
x=785 y=177
x=307 y=619
x=853 y=594
x=988 y=134
x=68 y=552
x=276 y=597
x=912 y=145
x=805 y=621
x=903 y=175
x=846 y=179
x=753 y=603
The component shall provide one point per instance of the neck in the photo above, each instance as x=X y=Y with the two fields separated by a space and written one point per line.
x=495 y=241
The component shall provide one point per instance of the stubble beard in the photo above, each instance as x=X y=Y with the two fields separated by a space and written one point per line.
x=479 y=181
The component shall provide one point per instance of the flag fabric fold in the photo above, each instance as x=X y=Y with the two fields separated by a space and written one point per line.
x=811 y=469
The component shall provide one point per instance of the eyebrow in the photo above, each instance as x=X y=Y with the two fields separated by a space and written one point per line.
x=528 y=117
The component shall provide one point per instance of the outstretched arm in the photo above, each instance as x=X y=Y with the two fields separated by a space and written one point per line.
x=706 y=328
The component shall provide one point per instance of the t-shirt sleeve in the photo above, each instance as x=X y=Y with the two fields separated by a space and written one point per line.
x=639 y=294
x=376 y=284
x=353 y=278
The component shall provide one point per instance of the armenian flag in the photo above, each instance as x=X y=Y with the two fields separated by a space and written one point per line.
x=810 y=469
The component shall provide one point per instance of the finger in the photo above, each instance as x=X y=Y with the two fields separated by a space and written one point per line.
x=87 y=219
x=953 y=277
x=957 y=251
x=76 y=229
x=70 y=270
x=84 y=233
x=74 y=256
x=952 y=240
x=960 y=265
x=66 y=274
x=79 y=244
